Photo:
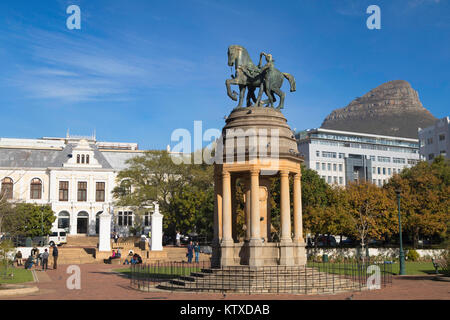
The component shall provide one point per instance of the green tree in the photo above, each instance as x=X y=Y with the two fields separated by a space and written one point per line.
x=371 y=212
x=185 y=192
x=425 y=201
x=29 y=220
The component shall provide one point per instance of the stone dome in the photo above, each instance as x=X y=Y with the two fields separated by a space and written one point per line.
x=256 y=131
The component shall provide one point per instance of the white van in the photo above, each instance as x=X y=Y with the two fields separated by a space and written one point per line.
x=57 y=237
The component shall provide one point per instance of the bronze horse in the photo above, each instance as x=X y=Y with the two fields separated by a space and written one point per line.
x=250 y=76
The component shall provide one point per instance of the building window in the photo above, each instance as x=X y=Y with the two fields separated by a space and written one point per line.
x=323 y=166
x=147 y=220
x=374 y=170
x=379 y=170
x=87 y=159
x=334 y=167
x=335 y=180
x=379 y=182
x=389 y=171
x=441 y=137
x=100 y=192
x=78 y=158
x=329 y=166
x=431 y=156
x=374 y=181
x=323 y=177
x=317 y=153
x=341 y=155
x=398 y=160
x=82 y=191
x=430 y=141
x=7 y=188
x=372 y=158
x=340 y=167
x=36 y=189
x=64 y=191
x=317 y=165
x=394 y=170
x=329 y=179
x=341 y=180
x=384 y=159
x=125 y=218
x=327 y=154
x=384 y=170
x=82 y=158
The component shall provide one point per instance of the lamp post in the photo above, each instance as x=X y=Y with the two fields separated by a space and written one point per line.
x=401 y=255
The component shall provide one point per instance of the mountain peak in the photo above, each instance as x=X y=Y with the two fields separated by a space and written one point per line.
x=392 y=109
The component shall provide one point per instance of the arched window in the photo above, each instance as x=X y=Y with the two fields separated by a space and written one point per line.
x=36 y=189
x=82 y=158
x=78 y=158
x=7 y=188
x=87 y=159
x=63 y=220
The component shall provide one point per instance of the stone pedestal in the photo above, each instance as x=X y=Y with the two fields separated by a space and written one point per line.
x=156 y=235
x=104 y=237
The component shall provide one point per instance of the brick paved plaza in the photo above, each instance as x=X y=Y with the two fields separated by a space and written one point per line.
x=100 y=282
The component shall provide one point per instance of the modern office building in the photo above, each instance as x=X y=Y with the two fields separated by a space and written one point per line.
x=435 y=140
x=340 y=157
x=75 y=175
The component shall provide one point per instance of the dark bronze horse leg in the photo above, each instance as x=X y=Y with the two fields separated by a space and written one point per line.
x=228 y=83
x=241 y=94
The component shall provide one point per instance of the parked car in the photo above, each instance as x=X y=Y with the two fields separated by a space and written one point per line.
x=348 y=242
x=326 y=241
x=57 y=237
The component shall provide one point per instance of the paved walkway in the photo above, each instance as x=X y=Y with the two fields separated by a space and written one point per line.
x=99 y=282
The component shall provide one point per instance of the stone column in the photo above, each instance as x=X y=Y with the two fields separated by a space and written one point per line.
x=215 y=259
x=104 y=237
x=227 y=244
x=255 y=250
x=157 y=227
x=254 y=207
x=286 y=246
x=233 y=209
x=285 y=208
x=298 y=232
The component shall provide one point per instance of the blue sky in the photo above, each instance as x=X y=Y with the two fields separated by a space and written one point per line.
x=137 y=70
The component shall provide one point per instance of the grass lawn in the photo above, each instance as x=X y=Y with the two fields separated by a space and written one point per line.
x=415 y=268
x=411 y=268
x=20 y=275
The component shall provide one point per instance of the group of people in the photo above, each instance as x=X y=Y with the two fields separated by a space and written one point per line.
x=191 y=250
x=37 y=258
x=133 y=258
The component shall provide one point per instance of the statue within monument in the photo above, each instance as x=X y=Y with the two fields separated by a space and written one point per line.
x=256 y=147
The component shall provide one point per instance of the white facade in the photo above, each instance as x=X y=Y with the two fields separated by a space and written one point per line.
x=75 y=176
x=435 y=140
x=340 y=156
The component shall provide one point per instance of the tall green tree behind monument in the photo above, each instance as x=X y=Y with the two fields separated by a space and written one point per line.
x=425 y=200
x=185 y=192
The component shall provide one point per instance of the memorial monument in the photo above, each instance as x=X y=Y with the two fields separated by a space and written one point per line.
x=256 y=146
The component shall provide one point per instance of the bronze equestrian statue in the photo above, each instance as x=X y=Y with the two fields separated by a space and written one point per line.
x=268 y=78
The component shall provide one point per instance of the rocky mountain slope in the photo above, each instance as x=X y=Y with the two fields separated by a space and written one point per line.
x=391 y=109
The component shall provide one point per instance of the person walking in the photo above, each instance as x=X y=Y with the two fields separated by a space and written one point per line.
x=18 y=258
x=197 y=251
x=178 y=238
x=55 y=257
x=190 y=251
x=45 y=260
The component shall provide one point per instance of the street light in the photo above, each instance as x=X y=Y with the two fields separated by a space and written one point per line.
x=398 y=191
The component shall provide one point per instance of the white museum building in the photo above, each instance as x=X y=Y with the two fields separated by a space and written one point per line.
x=75 y=175
x=340 y=157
